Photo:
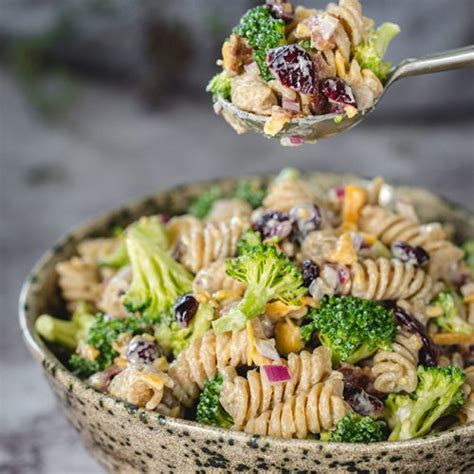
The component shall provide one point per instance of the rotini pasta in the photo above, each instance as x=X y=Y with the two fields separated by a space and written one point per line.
x=141 y=386
x=79 y=280
x=226 y=209
x=395 y=370
x=197 y=245
x=95 y=249
x=214 y=281
x=287 y=192
x=384 y=279
x=308 y=412
x=390 y=227
x=203 y=359
x=247 y=397
x=111 y=301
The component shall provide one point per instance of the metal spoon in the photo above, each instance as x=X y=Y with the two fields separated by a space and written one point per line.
x=313 y=128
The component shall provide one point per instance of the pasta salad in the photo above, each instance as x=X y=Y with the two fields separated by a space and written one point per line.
x=284 y=311
x=286 y=63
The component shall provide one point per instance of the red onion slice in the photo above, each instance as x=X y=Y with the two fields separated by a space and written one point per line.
x=277 y=373
x=290 y=105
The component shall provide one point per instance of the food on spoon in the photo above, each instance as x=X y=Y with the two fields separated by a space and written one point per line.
x=287 y=63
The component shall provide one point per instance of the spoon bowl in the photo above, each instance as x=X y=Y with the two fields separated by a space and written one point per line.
x=312 y=128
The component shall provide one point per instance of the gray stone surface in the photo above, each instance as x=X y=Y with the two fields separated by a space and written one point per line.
x=107 y=151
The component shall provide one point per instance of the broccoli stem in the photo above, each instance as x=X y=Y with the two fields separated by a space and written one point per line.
x=57 y=331
x=65 y=333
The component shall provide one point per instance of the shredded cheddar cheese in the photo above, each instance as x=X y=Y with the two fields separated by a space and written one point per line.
x=355 y=198
x=345 y=253
x=448 y=339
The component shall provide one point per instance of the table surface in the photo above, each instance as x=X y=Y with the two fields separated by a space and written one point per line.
x=109 y=150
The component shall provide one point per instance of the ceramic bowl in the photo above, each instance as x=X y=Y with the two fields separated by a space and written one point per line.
x=125 y=439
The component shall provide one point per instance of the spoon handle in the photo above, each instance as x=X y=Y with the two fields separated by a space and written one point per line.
x=438 y=62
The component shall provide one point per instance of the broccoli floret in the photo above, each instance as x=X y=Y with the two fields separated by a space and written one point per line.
x=353 y=428
x=66 y=333
x=101 y=335
x=201 y=207
x=250 y=192
x=220 y=86
x=157 y=279
x=352 y=328
x=173 y=338
x=269 y=275
x=370 y=52
x=450 y=320
x=117 y=259
x=439 y=393
x=209 y=410
x=248 y=241
x=468 y=248
x=263 y=33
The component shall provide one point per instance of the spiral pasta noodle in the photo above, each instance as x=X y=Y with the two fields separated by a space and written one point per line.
x=112 y=294
x=226 y=209
x=286 y=193
x=79 y=280
x=395 y=370
x=389 y=227
x=213 y=281
x=318 y=246
x=197 y=244
x=95 y=249
x=247 y=397
x=383 y=279
x=203 y=359
x=307 y=412
x=143 y=387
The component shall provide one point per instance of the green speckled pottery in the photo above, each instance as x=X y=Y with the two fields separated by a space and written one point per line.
x=125 y=439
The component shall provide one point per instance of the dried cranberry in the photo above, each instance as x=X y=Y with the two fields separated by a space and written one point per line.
x=362 y=402
x=319 y=103
x=142 y=350
x=273 y=224
x=164 y=218
x=281 y=10
x=305 y=218
x=410 y=254
x=428 y=354
x=293 y=67
x=338 y=93
x=357 y=393
x=185 y=308
x=310 y=272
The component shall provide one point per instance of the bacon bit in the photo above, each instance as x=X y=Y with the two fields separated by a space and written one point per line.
x=277 y=121
x=345 y=253
x=355 y=198
x=448 y=339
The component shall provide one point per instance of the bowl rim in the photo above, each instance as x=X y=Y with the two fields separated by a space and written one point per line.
x=47 y=358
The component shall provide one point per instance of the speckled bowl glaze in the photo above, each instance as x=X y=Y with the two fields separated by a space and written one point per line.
x=125 y=439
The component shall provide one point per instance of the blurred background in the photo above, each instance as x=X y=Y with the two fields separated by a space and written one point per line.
x=102 y=101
